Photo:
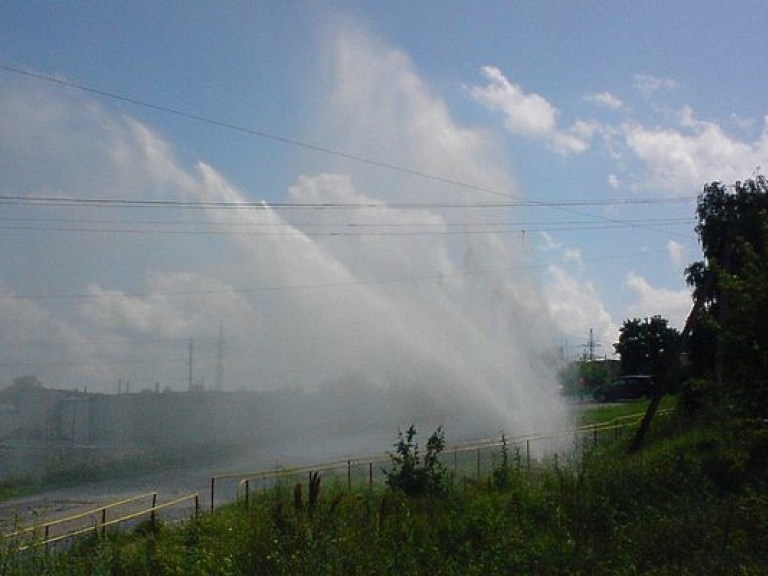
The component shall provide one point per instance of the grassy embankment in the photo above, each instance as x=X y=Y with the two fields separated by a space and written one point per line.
x=694 y=501
x=604 y=413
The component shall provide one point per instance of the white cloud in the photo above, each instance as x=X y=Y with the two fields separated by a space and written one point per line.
x=568 y=143
x=676 y=253
x=614 y=181
x=548 y=243
x=605 y=99
x=674 y=305
x=528 y=114
x=649 y=85
x=35 y=341
x=577 y=308
x=684 y=160
x=573 y=255
x=743 y=123
x=524 y=113
x=175 y=305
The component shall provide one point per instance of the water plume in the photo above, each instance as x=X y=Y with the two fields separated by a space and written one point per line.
x=450 y=329
x=349 y=322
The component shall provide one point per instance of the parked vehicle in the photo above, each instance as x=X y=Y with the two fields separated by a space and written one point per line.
x=626 y=388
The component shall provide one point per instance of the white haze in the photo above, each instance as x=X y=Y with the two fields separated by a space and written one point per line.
x=456 y=319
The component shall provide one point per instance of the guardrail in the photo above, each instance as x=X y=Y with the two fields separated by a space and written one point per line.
x=364 y=467
x=100 y=524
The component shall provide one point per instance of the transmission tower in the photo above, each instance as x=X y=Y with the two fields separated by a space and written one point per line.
x=590 y=347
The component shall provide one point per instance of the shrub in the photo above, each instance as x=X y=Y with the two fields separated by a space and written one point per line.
x=412 y=474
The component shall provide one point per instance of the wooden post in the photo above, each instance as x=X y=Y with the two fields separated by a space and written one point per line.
x=349 y=475
x=213 y=490
x=103 y=521
x=153 y=516
x=478 y=463
x=370 y=474
x=528 y=454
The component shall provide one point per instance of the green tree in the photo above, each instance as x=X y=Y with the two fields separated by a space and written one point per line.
x=649 y=346
x=729 y=334
x=583 y=376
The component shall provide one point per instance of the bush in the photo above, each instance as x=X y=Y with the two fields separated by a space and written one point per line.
x=411 y=474
x=699 y=397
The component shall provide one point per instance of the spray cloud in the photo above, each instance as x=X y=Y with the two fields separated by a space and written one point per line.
x=400 y=293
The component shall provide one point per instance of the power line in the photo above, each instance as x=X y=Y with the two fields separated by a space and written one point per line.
x=304 y=225
x=254 y=132
x=58 y=201
x=514 y=229
x=314 y=286
x=283 y=140
x=55 y=363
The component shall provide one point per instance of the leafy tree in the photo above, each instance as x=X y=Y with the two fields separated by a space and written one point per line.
x=729 y=335
x=412 y=474
x=593 y=374
x=649 y=346
x=578 y=378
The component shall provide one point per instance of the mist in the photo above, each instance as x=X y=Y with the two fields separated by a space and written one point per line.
x=386 y=311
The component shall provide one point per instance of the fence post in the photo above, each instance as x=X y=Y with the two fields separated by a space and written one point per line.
x=478 y=463
x=247 y=491
x=528 y=454
x=349 y=475
x=153 y=516
x=197 y=505
x=213 y=490
x=370 y=474
x=103 y=521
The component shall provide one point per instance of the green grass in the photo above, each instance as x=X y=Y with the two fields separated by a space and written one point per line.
x=694 y=501
x=12 y=489
x=601 y=414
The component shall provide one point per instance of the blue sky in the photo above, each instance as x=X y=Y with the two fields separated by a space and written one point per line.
x=596 y=123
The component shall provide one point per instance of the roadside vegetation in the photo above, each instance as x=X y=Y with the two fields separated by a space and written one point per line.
x=694 y=501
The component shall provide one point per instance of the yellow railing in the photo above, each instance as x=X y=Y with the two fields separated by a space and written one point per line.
x=41 y=533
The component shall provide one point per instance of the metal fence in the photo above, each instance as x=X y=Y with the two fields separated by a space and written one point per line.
x=95 y=521
x=468 y=459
